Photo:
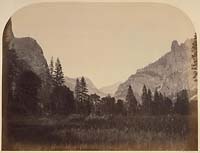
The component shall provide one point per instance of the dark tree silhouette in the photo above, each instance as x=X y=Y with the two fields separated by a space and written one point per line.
x=160 y=104
x=182 y=103
x=62 y=100
x=145 y=101
x=108 y=105
x=88 y=107
x=119 y=107
x=95 y=98
x=96 y=103
x=51 y=68
x=156 y=104
x=28 y=86
x=58 y=74
x=77 y=90
x=84 y=104
x=167 y=106
x=131 y=101
x=83 y=90
x=149 y=101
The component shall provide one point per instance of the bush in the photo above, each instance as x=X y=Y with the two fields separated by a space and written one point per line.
x=62 y=100
x=27 y=99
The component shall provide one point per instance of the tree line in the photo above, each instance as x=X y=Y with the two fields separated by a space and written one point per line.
x=152 y=104
x=61 y=98
x=157 y=103
x=63 y=101
x=24 y=93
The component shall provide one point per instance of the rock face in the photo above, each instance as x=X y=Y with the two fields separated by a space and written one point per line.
x=71 y=82
x=31 y=55
x=169 y=74
x=8 y=34
x=28 y=50
x=111 y=89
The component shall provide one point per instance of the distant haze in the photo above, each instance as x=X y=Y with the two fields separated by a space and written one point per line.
x=107 y=42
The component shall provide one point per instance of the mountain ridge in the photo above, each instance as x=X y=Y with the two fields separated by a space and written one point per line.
x=71 y=82
x=110 y=89
x=169 y=74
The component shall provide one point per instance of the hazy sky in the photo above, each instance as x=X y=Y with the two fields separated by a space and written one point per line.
x=106 y=42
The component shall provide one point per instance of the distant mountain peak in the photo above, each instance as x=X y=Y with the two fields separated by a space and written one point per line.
x=110 y=89
x=174 y=45
x=171 y=73
x=71 y=83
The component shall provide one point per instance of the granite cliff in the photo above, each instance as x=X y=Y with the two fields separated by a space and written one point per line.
x=169 y=74
x=30 y=57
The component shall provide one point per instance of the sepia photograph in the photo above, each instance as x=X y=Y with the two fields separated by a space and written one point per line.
x=99 y=76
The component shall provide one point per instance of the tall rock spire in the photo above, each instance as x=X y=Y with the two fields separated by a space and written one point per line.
x=7 y=34
x=174 y=45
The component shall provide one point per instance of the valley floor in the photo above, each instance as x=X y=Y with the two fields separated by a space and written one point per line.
x=75 y=132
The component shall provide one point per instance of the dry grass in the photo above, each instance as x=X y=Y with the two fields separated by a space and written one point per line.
x=104 y=133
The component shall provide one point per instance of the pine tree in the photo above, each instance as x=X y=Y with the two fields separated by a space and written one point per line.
x=145 y=99
x=149 y=95
x=58 y=74
x=108 y=105
x=182 y=103
x=161 y=103
x=83 y=90
x=167 y=105
x=119 y=107
x=84 y=85
x=62 y=100
x=149 y=101
x=155 y=103
x=144 y=94
x=131 y=100
x=77 y=90
x=51 y=67
x=194 y=57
